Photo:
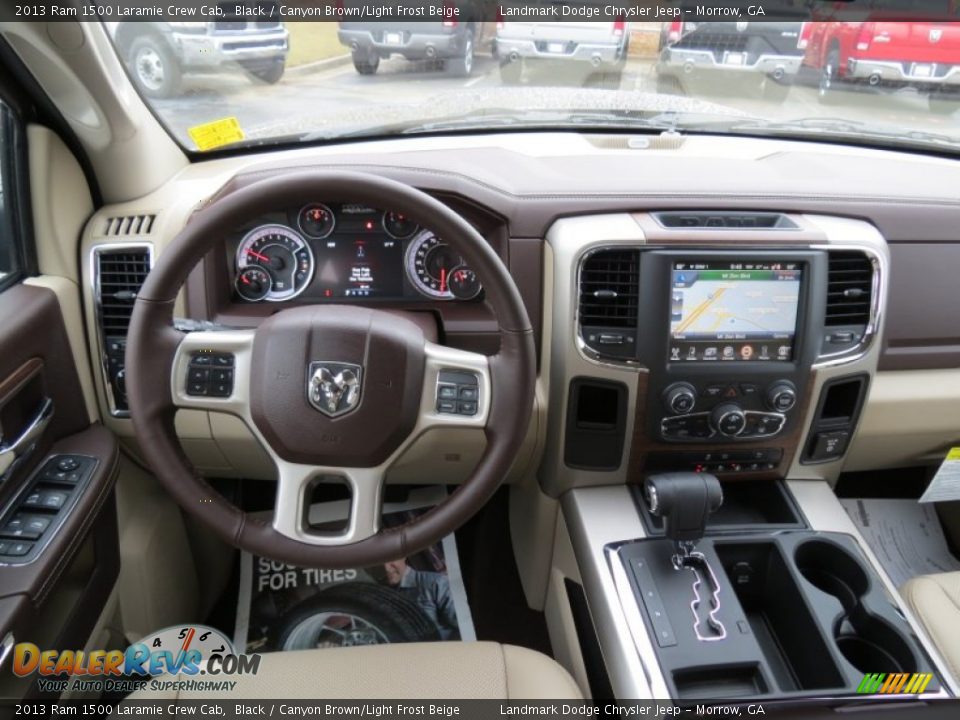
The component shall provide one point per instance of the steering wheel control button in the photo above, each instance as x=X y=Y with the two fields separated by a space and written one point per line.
x=210 y=374
x=458 y=392
x=447 y=406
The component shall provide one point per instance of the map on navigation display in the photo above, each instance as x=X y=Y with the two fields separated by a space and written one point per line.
x=739 y=303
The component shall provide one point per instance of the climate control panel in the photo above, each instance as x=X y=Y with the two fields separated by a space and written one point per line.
x=720 y=412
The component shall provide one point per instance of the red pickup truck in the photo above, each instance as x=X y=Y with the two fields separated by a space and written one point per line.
x=924 y=55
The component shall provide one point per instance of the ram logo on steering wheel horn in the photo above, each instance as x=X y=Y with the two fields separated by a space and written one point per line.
x=333 y=388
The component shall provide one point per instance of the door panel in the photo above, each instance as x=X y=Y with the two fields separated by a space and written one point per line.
x=35 y=364
x=59 y=553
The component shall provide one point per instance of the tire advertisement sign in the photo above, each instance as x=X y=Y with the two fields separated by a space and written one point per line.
x=419 y=598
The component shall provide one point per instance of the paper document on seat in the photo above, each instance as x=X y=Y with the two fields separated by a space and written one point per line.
x=945 y=485
x=417 y=598
x=905 y=536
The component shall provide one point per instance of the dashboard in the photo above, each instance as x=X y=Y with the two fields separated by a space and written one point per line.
x=678 y=377
x=326 y=252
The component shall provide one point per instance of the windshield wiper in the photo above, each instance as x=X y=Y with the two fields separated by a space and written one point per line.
x=837 y=127
x=541 y=119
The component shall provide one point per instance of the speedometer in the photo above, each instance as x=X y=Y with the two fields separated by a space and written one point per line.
x=283 y=254
x=429 y=263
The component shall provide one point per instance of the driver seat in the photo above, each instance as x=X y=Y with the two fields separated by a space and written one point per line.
x=441 y=670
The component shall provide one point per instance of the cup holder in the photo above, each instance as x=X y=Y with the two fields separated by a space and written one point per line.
x=832 y=570
x=868 y=642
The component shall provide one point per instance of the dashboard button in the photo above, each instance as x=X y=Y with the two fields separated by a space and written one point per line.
x=729 y=419
x=713 y=391
x=680 y=398
x=781 y=396
x=749 y=389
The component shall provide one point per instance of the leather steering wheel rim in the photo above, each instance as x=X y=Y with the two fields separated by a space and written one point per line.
x=153 y=342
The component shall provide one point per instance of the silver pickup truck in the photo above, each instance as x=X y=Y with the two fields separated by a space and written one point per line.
x=451 y=42
x=159 y=53
x=598 y=47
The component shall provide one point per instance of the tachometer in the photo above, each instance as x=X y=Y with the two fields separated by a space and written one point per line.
x=283 y=254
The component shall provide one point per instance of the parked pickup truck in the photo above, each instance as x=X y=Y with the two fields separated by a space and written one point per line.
x=451 y=41
x=767 y=53
x=598 y=46
x=159 y=53
x=924 y=55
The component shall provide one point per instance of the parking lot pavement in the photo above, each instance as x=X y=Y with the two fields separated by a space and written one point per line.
x=263 y=110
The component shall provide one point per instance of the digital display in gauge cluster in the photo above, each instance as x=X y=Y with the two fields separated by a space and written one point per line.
x=349 y=251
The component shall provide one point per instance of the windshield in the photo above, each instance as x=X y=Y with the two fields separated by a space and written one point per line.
x=236 y=81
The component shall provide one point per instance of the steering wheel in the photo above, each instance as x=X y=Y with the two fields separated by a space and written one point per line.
x=328 y=390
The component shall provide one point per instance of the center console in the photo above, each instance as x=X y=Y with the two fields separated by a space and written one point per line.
x=747 y=613
x=729 y=350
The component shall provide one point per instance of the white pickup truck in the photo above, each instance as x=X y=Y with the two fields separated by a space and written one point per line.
x=159 y=53
x=600 y=47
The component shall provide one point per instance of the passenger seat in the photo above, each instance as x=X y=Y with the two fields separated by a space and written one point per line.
x=935 y=601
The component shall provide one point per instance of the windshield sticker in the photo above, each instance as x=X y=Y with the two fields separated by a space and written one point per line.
x=216 y=134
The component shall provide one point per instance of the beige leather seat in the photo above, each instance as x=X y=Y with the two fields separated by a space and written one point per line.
x=935 y=600
x=447 y=670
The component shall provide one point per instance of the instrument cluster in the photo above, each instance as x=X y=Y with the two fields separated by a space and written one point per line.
x=327 y=252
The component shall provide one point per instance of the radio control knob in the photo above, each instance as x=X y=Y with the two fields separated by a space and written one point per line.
x=728 y=419
x=680 y=398
x=781 y=397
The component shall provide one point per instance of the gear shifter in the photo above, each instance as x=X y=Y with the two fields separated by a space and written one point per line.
x=684 y=500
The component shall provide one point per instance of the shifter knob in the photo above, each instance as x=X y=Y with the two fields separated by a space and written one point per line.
x=684 y=500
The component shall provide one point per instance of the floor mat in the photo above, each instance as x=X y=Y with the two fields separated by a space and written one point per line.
x=905 y=536
x=417 y=598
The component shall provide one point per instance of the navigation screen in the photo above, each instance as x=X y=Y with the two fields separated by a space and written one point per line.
x=728 y=311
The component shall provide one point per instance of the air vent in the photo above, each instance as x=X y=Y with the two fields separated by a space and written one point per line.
x=609 y=289
x=849 y=289
x=120 y=274
x=724 y=220
x=125 y=225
